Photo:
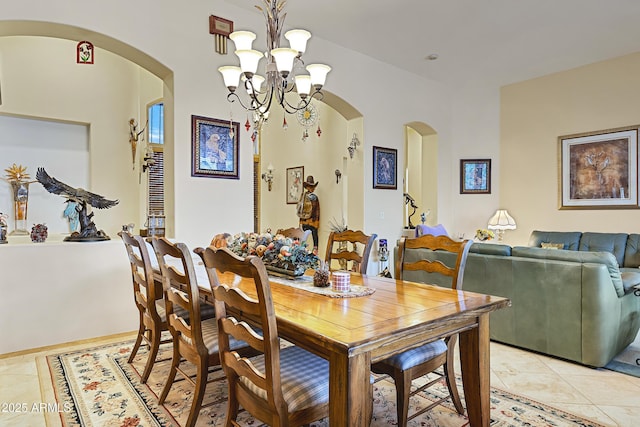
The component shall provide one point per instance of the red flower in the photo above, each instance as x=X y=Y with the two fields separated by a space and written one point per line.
x=91 y=386
x=130 y=422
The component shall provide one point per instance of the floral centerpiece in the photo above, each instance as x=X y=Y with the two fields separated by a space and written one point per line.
x=280 y=254
x=483 y=234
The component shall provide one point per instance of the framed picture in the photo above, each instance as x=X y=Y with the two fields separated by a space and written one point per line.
x=295 y=178
x=599 y=170
x=385 y=168
x=214 y=150
x=475 y=176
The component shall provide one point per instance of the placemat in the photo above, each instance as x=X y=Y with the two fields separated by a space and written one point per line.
x=306 y=283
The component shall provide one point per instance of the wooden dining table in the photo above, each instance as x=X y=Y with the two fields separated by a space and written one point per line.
x=351 y=333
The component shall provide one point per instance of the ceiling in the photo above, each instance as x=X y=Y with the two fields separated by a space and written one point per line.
x=478 y=42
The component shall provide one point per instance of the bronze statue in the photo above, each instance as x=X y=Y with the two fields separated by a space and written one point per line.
x=88 y=230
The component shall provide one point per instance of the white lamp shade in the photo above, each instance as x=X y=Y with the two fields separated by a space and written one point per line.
x=303 y=84
x=501 y=220
x=257 y=81
x=284 y=59
x=231 y=76
x=318 y=73
x=249 y=60
x=298 y=39
x=243 y=39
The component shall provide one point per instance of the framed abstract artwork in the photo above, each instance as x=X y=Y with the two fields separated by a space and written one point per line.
x=385 y=168
x=599 y=170
x=214 y=148
x=475 y=176
x=295 y=177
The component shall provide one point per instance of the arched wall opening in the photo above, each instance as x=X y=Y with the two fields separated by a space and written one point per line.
x=103 y=96
x=323 y=155
x=421 y=174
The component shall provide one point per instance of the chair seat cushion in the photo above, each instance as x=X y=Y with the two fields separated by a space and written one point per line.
x=304 y=377
x=416 y=356
x=207 y=311
x=210 y=337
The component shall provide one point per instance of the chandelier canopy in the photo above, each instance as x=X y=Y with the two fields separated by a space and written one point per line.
x=284 y=69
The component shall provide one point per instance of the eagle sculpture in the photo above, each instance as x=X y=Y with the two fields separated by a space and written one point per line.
x=83 y=199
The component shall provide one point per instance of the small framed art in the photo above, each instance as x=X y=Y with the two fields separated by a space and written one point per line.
x=295 y=176
x=599 y=170
x=214 y=151
x=385 y=168
x=475 y=176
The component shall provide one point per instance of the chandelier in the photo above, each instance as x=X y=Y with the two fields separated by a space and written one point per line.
x=284 y=69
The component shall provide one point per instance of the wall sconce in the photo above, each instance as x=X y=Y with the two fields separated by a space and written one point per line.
x=148 y=160
x=268 y=176
x=501 y=221
x=338 y=176
x=353 y=145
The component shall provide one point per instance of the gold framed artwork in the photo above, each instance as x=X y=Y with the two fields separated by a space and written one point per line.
x=599 y=170
x=214 y=148
x=295 y=177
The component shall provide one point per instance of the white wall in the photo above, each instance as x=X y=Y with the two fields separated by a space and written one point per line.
x=61 y=148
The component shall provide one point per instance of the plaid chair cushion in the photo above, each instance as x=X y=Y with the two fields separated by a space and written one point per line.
x=207 y=311
x=304 y=377
x=418 y=355
x=210 y=337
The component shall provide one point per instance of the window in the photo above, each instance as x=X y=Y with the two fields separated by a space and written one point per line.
x=155 y=183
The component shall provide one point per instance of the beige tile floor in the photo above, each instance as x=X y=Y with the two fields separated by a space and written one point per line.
x=610 y=398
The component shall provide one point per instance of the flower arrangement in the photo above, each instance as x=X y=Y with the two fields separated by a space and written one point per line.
x=483 y=234
x=277 y=251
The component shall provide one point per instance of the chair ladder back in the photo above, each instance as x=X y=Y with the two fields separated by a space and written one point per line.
x=434 y=243
x=347 y=254
x=295 y=233
x=145 y=290
x=181 y=289
x=231 y=299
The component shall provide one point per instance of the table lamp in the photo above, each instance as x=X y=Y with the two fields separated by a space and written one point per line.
x=501 y=221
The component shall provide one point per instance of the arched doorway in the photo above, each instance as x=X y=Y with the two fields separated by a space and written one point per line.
x=420 y=174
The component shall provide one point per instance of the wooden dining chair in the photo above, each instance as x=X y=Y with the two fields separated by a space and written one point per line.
x=282 y=387
x=343 y=247
x=417 y=362
x=148 y=296
x=194 y=339
x=295 y=233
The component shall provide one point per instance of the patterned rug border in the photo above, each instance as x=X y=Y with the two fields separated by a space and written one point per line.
x=163 y=417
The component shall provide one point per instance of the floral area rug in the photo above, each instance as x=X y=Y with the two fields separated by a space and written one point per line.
x=627 y=362
x=97 y=387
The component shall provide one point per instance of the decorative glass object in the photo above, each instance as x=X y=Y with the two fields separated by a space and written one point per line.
x=39 y=233
x=19 y=179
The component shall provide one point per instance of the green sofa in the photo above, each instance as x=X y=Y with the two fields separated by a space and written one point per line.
x=576 y=302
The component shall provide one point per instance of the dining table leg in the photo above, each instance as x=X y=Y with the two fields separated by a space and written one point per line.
x=349 y=390
x=475 y=366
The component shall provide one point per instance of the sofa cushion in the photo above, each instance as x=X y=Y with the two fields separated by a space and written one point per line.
x=570 y=240
x=490 y=249
x=606 y=258
x=436 y=230
x=632 y=251
x=630 y=279
x=615 y=243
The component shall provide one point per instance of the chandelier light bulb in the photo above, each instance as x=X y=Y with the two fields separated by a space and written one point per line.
x=231 y=76
x=284 y=59
x=318 y=73
x=303 y=85
x=298 y=39
x=256 y=81
x=249 y=61
x=243 y=39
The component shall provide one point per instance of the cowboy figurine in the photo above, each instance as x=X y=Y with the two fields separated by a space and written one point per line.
x=308 y=210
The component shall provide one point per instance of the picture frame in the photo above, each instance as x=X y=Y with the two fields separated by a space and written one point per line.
x=295 y=178
x=475 y=176
x=385 y=168
x=599 y=170
x=214 y=148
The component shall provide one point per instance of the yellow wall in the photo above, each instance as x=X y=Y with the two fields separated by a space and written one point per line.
x=534 y=114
